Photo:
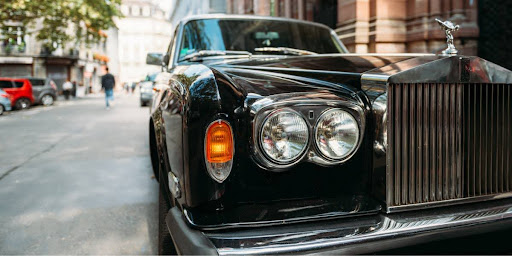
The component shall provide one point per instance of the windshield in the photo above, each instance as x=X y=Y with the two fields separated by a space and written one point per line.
x=254 y=35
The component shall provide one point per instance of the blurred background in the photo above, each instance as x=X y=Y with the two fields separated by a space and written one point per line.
x=142 y=26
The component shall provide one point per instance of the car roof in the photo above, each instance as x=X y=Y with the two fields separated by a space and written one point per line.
x=30 y=77
x=247 y=17
x=14 y=78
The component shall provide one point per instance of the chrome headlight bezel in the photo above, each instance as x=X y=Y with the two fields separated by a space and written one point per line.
x=260 y=136
x=352 y=150
x=303 y=105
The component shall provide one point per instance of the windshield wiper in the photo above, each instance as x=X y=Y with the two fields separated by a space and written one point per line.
x=197 y=56
x=285 y=50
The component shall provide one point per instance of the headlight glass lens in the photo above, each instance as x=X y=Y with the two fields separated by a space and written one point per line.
x=284 y=136
x=337 y=134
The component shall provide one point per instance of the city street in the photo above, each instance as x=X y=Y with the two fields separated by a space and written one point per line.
x=76 y=178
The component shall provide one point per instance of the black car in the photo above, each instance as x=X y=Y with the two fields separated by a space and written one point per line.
x=268 y=137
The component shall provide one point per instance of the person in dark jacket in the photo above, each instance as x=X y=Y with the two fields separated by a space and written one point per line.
x=107 y=83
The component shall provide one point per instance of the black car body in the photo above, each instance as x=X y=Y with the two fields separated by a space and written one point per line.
x=431 y=159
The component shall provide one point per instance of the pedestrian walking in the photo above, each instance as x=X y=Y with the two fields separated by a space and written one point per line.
x=107 y=83
x=67 y=87
x=133 y=87
x=73 y=91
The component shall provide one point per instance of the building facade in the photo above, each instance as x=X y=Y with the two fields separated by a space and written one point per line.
x=21 y=55
x=145 y=28
x=183 y=8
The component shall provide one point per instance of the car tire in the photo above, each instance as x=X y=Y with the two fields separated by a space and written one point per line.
x=47 y=100
x=165 y=243
x=22 y=103
x=2 y=110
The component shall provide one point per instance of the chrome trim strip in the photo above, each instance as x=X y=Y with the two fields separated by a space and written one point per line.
x=344 y=237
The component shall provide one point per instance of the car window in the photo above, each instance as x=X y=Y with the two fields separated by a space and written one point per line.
x=37 y=82
x=6 y=84
x=246 y=35
x=18 y=84
x=172 y=48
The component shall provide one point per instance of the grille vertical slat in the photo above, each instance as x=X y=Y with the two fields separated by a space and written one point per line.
x=439 y=143
x=448 y=141
x=398 y=135
x=433 y=130
x=412 y=146
x=509 y=139
x=457 y=139
x=405 y=143
x=419 y=148
x=499 y=155
x=491 y=138
x=481 y=136
x=475 y=139
x=426 y=149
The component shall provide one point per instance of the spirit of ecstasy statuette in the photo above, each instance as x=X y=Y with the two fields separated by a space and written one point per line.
x=449 y=27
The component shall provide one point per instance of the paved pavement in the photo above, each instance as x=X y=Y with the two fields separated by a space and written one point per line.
x=76 y=178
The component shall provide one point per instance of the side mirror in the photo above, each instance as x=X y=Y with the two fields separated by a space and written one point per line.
x=156 y=59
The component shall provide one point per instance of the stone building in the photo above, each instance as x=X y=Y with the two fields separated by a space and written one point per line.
x=22 y=55
x=145 y=28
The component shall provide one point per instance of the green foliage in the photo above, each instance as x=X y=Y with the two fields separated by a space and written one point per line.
x=58 y=22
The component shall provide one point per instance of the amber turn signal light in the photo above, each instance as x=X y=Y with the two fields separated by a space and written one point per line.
x=219 y=142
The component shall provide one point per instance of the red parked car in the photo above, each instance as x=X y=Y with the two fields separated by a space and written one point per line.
x=20 y=89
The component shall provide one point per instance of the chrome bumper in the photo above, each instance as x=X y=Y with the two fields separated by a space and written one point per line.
x=353 y=236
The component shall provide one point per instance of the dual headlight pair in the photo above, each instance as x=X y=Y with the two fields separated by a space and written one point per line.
x=284 y=135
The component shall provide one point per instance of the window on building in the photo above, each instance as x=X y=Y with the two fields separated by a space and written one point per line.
x=135 y=10
x=248 y=6
x=125 y=10
x=13 y=39
x=280 y=8
x=146 y=11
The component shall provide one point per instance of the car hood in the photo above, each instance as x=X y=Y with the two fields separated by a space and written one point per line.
x=270 y=75
x=347 y=63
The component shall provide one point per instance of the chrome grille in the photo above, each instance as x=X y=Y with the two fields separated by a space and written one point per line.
x=448 y=141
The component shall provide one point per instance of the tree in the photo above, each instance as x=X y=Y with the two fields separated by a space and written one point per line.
x=58 y=22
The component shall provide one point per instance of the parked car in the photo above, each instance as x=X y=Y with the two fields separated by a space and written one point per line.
x=5 y=102
x=146 y=89
x=44 y=90
x=20 y=90
x=268 y=137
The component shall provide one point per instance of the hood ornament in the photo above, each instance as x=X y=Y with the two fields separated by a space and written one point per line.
x=449 y=27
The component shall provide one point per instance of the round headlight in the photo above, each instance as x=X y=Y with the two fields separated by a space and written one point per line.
x=337 y=134
x=284 y=136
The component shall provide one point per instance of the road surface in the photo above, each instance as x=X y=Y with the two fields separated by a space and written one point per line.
x=76 y=178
